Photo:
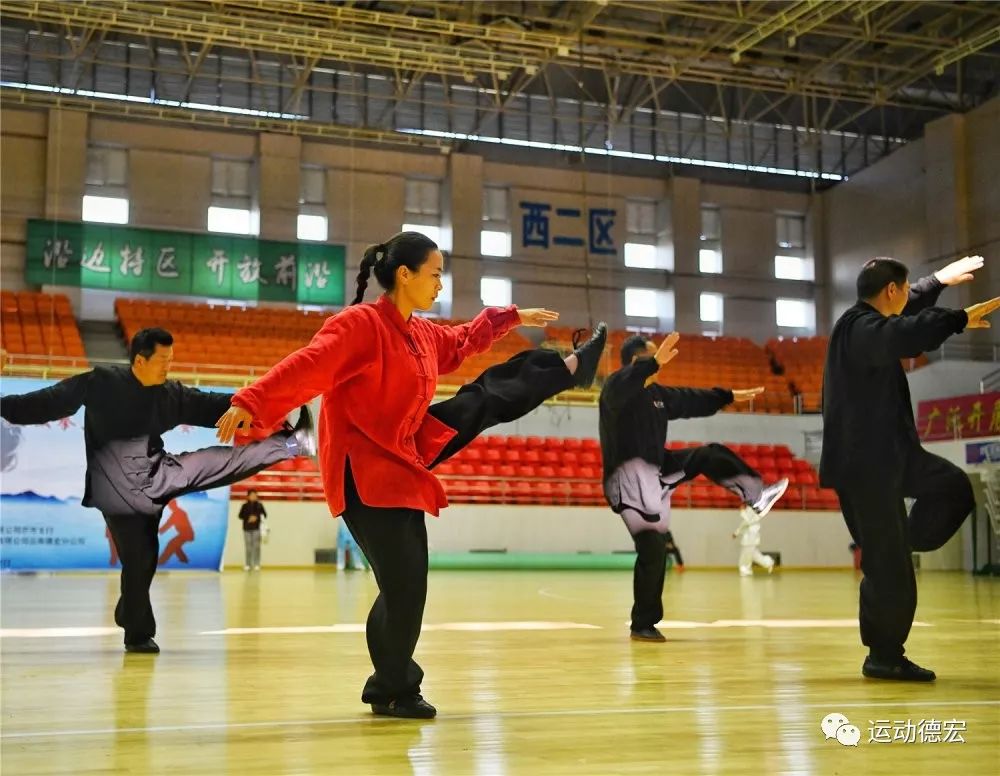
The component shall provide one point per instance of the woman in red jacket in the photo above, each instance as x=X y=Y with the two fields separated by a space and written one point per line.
x=376 y=366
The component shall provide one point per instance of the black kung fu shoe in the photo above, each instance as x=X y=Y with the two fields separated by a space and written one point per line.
x=647 y=634
x=147 y=647
x=902 y=670
x=588 y=355
x=406 y=708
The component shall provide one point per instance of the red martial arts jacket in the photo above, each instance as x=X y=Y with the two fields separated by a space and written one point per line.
x=377 y=374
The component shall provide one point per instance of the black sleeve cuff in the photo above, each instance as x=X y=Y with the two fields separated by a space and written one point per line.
x=961 y=320
x=647 y=367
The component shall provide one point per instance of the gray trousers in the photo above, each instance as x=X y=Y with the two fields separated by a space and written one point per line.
x=251 y=541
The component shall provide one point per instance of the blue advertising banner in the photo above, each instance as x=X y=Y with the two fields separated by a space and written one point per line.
x=43 y=525
x=983 y=452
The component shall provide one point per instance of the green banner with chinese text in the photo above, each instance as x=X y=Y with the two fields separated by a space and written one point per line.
x=220 y=266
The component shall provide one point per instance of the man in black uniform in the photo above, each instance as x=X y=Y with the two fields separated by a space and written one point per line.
x=872 y=454
x=639 y=473
x=130 y=478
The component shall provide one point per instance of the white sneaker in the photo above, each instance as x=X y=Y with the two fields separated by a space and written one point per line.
x=246 y=568
x=769 y=497
x=340 y=567
x=256 y=568
x=746 y=573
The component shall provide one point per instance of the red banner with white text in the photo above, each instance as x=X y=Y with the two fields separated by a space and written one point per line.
x=959 y=417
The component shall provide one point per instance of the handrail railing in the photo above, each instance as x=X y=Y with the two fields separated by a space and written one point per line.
x=990 y=381
x=222 y=375
x=966 y=351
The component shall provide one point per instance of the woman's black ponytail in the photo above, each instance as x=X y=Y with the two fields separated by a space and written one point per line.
x=372 y=254
x=406 y=249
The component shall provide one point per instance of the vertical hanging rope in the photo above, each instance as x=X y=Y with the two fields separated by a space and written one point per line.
x=581 y=140
x=348 y=292
x=55 y=235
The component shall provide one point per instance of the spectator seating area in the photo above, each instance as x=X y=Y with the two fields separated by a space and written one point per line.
x=38 y=326
x=245 y=341
x=801 y=360
x=556 y=471
x=704 y=362
x=238 y=339
x=249 y=340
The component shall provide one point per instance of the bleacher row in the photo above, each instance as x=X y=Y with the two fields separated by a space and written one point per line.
x=704 y=362
x=38 y=326
x=244 y=341
x=556 y=471
x=259 y=337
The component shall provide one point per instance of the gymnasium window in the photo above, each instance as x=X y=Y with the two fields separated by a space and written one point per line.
x=495 y=292
x=710 y=243
x=105 y=210
x=654 y=306
x=231 y=208
x=641 y=235
x=795 y=314
x=711 y=308
x=422 y=211
x=640 y=303
x=105 y=198
x=494 y=238
x=790 y=259
x=312 y=221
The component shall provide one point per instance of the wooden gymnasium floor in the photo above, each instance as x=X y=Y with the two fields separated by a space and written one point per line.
x=532 y=673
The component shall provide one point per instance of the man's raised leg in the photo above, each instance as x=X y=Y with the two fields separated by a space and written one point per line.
x=218 y=466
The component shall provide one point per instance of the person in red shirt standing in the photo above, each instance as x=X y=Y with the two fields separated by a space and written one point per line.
x=376 y=366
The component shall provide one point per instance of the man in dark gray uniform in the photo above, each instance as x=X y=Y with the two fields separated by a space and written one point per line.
x=640 y=474
x=130 y=477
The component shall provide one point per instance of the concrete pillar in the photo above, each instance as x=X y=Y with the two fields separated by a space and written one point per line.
x=280 y=162
x=463 y=216
x=685 y=218
x=817 y=246
x=65 y=164
x=463 y=203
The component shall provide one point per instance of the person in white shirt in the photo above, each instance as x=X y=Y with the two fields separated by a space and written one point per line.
x=749 y=534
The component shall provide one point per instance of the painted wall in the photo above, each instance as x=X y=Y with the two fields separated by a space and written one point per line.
x=933 y=199
x=804 y=539
x=169 y=185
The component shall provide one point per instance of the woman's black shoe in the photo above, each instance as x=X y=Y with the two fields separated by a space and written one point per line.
x=588 y=355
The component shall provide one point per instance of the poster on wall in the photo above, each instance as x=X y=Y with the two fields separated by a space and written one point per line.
x=983 y=452
x=219 y=266
x=44 y=526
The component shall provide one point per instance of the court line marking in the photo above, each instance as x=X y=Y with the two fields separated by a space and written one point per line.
x=487 y=627
x=700 y=709
x=482 y=627
x=344 y=627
